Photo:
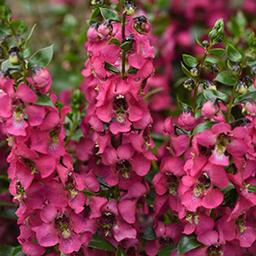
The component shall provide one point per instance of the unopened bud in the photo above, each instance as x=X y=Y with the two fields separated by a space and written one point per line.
x=141 y=24
x=241 y=88
x=217 y=33
x=205 y=43
x=129 y=8
x=97 y=2
x=194 y=72
x=14 y=56
x=189 y=84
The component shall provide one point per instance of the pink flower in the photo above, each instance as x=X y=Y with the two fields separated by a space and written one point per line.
x=41 y=80
x=186 y=121
x=208 y=109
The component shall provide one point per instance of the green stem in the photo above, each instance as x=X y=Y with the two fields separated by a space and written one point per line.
x=230 y=105
x=123 y=51
x=23 y=63
x=195 y=96
x=200 y=66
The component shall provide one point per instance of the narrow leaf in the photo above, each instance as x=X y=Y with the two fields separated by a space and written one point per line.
x=149 y=233
x=99 y=243
x=217 y=52
x=250 y=96
x=165 y=251
x=189 y=60
x=185 y=70
x=108 y=14
x=226 y=77
x=214 y=94
x=233 y=54
x=111 y=68
x=30 y=35
x=127 y=45
x=44 y=100
x=42 y=57
x=187 y=243
x=203 y=126
x=115 y=41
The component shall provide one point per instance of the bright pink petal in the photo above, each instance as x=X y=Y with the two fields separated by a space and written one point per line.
x=127 y=209
x=212 y=199
x=46 y=235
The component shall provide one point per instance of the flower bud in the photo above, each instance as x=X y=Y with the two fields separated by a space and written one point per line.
x=97 y=2
x=129 y=8
x=249 y=108
x=208 y=109
x=105 y=29
x=194 y=72
x=92 y=34
x=189 y=84
x=141 y=25
x=41 y=80
x=236 y=68
x=14 y=56
x=186 y=120
x=205 y=43
x=241 y=87
x=209 y=85
x=217 y=33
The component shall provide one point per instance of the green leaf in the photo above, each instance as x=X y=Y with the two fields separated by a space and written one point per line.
x=189 y=60
x=214 y=94
x=163 y=4
x=6 y=250
x=30 y=34
x=95 y=13
x=226 y=77
x=120 y=252
x=241 y=19
x=233 y=54
x=132 y=70
x=230 y=195
x=149 y=233
x=17 y=251
x=42 y=57
x=4 y=31
x=18 y=26
x=211 y=60
x=198 y=41
x=217 y=52
x=99 y=243
x=202 y=127
x=115 y=41
x=111 y=68
x=237 y=24
x=250 y=96
x=185 y=70
x=78 y=134
x=187 y=243
x=165 y=251
x=251 y=188
x=44 y=100
x=5 y=65
x=127 y=45
x=108 y=14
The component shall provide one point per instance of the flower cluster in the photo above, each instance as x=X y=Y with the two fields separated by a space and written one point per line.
x=88 y=174
x=173 y=36
x=41 y=174
x=207 y=181
x=115 y=150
